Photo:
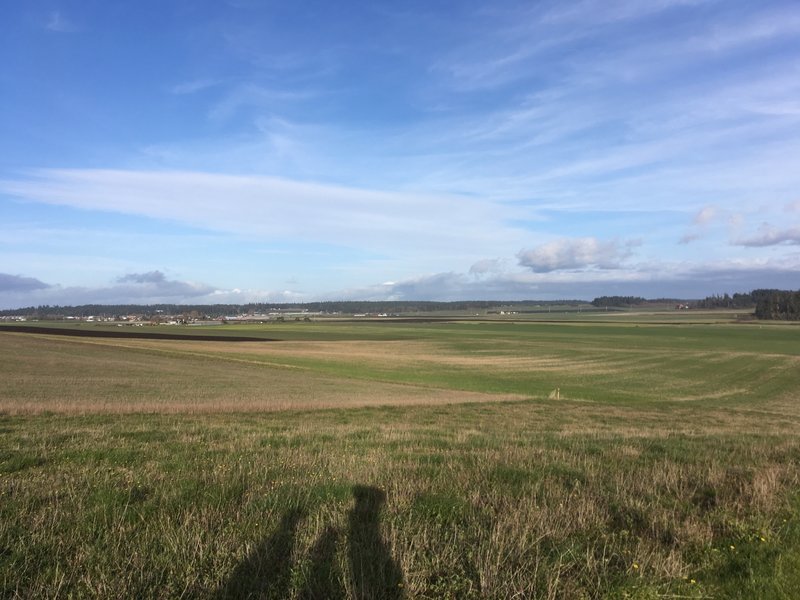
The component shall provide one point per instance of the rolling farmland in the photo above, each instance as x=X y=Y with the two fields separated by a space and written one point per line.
x=625 y=457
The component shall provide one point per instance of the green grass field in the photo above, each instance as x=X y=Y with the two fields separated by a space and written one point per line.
x=418 y=460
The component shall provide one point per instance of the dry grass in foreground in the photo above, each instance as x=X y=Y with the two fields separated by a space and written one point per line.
x=524 y=499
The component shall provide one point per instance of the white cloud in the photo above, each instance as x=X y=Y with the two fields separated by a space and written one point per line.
x=152 y=287
x=18 y=283
x=572 y=254
x=149 y=277
x=769 y=235
x=702 y=219
x=281 y=209
x=152 y=284
x=155 y=284
x=653 y=280
x=246 y=296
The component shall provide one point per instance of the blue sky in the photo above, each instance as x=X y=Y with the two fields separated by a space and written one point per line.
x=198 y=152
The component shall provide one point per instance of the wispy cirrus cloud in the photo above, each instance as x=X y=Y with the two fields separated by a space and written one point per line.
x=526 y=37
x=596 y=11
x=274 y=208
x=258 y=97
x=772 y=24
x=194 y=86
x=59 y=23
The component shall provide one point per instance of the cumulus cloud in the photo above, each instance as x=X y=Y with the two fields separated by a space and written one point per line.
x=442 y=285
x=150 y=287
x=700 y=223
x=447 y=286
x=771 y=236
x=149 y=277
x=18 y=283
x=736 y=220
x=139 y=288
x=155 y=284
x=486 y=265
x=578 y=253
x=657 y=280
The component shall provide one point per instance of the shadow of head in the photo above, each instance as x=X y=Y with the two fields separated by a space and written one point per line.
x=368 y=499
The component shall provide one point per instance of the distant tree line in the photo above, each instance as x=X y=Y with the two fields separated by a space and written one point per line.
x=767 y=303
x=746 y=300
x=618 y=301
x=216 y=311
x=783 y=305
x=778 y=304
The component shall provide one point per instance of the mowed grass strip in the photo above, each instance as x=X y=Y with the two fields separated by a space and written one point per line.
x=55 y=374
x=604 y=363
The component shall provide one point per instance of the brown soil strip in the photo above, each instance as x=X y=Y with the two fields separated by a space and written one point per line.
x=141 y=335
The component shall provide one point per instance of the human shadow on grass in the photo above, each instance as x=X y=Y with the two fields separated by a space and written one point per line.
x=324 y=579
x=375 y=573
x=267 y=571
